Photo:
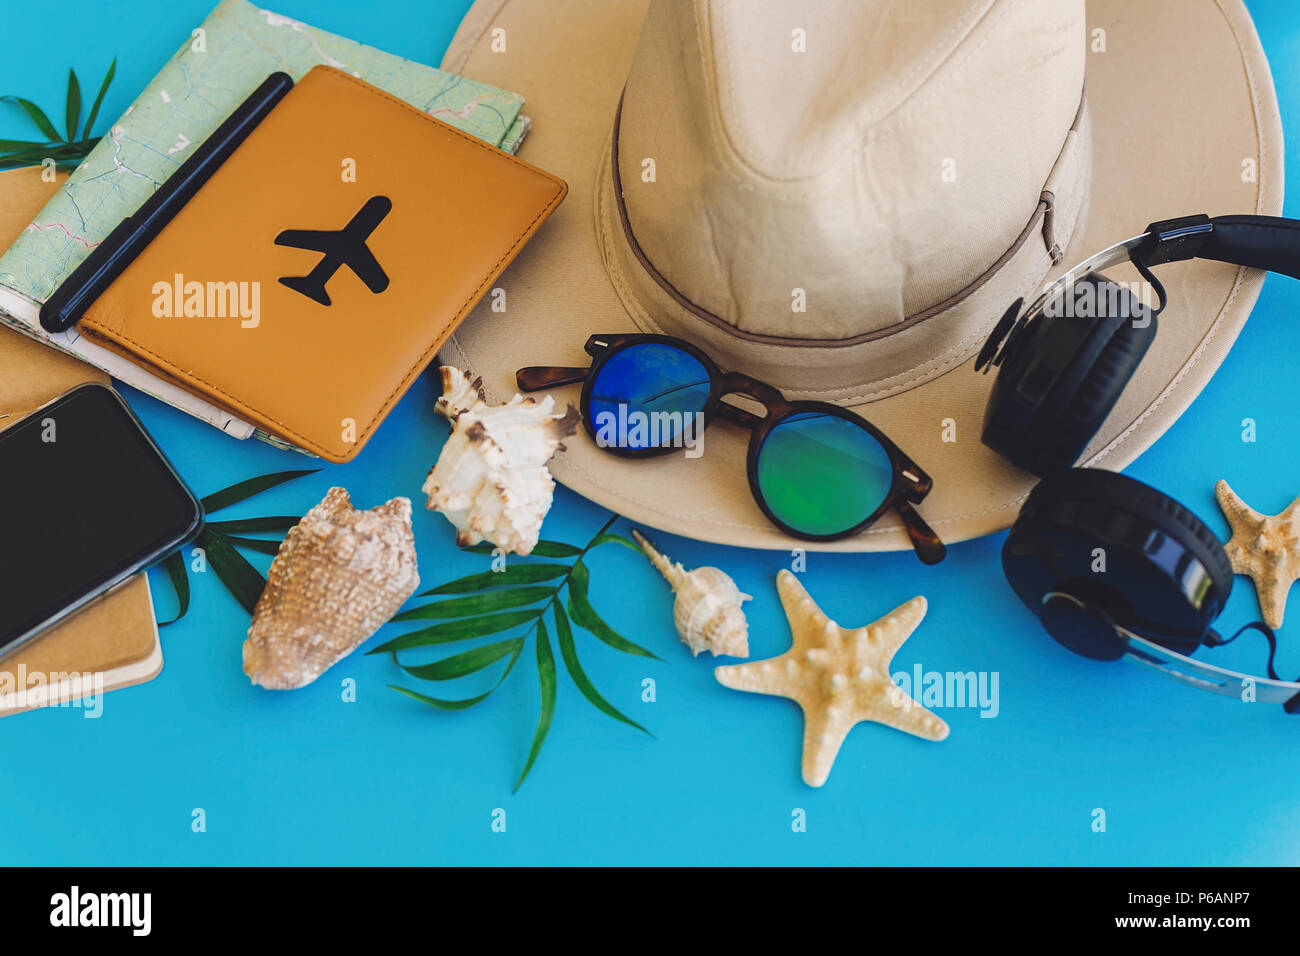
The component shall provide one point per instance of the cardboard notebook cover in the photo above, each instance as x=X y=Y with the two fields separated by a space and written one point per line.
x=320 y=269
x=116 y=637
x=111 y=644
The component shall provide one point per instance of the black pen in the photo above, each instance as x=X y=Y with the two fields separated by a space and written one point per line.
x=109 y=259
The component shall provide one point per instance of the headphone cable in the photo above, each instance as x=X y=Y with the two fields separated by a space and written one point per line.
x=1214 y=639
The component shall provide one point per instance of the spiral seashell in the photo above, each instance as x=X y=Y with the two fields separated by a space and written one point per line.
x=707 y=610
x=491 y=479
x=338 y=577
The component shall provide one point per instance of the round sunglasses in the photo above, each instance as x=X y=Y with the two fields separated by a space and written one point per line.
x=817 y=471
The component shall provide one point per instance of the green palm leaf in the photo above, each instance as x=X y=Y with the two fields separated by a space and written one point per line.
x=99 y=99
x=275 y=523
x=493 y=602
x=477 y=604
x=586 y=617
x=66 y=150
x=510 y=575
x=466 y=662
x=569 y=652
x=261 y=545
x=174 y=564
x=64 y=157
x=462 y=630
x=246 y=489
x=616 y=539
x=544 y=549
x=465 y=704
x=555 y=549
x=241 y=579
x=444 y=704
x=74 y=105
x=36 y=115
x=546 y=681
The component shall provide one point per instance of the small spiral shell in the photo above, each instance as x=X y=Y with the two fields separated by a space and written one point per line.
x=707 y=610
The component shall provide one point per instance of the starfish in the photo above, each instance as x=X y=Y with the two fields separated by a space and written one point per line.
x=839 y=677
x=1265 y=548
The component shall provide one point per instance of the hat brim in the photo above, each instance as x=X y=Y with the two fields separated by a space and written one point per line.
x=1184 y=120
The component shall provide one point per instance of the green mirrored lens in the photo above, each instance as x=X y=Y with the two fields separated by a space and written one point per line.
x=821 y=474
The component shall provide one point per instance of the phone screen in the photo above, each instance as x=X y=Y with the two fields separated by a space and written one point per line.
x=86 y=500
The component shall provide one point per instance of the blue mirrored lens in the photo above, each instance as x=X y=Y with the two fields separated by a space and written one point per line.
x=821 y=474
x=648 y=396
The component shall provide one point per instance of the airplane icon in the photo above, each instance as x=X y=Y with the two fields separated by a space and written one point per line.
x=340 y=247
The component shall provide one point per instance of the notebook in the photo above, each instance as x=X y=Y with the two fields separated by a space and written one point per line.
x=320 y=269
x=109 y=645
x=114 y=642
x=216 y=66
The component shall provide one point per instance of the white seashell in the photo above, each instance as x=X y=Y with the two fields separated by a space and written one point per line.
x=707 y=611
x=338 y=577
x=491 y=479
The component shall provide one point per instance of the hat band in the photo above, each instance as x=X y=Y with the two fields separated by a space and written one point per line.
x=872 y=365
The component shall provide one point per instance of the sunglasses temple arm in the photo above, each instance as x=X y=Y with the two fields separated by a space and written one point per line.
x=534 y=378
x=926 y=543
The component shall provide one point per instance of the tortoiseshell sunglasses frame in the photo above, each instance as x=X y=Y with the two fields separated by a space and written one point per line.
x=910 y=483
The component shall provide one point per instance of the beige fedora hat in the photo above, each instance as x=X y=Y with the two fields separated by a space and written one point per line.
x=842 y=197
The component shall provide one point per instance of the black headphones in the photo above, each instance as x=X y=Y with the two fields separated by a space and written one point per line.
x=1112 y=567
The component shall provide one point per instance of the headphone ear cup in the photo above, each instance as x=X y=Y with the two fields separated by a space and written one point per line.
x=1086 y=391
x=1125 y=495
x=1008 y=422
x=1073 y=515
x=1099 y=390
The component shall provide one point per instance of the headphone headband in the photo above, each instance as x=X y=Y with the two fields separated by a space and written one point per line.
x=1258 y=242
x=1210 y=677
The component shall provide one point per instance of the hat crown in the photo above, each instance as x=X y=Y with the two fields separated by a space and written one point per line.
x=823 y=171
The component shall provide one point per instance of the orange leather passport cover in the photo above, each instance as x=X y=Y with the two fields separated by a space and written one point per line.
x=324 y=376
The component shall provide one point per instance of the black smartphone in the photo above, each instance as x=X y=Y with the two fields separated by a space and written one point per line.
x=86 y=501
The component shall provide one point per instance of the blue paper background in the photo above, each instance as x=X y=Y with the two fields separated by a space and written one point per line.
x=1184 y=778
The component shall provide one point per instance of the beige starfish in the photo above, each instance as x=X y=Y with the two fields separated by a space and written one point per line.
x=1266 y=548
x=839 y=677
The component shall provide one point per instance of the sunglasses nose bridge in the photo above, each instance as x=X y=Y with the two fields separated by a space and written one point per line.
x=734 y=383
x=767 y=397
